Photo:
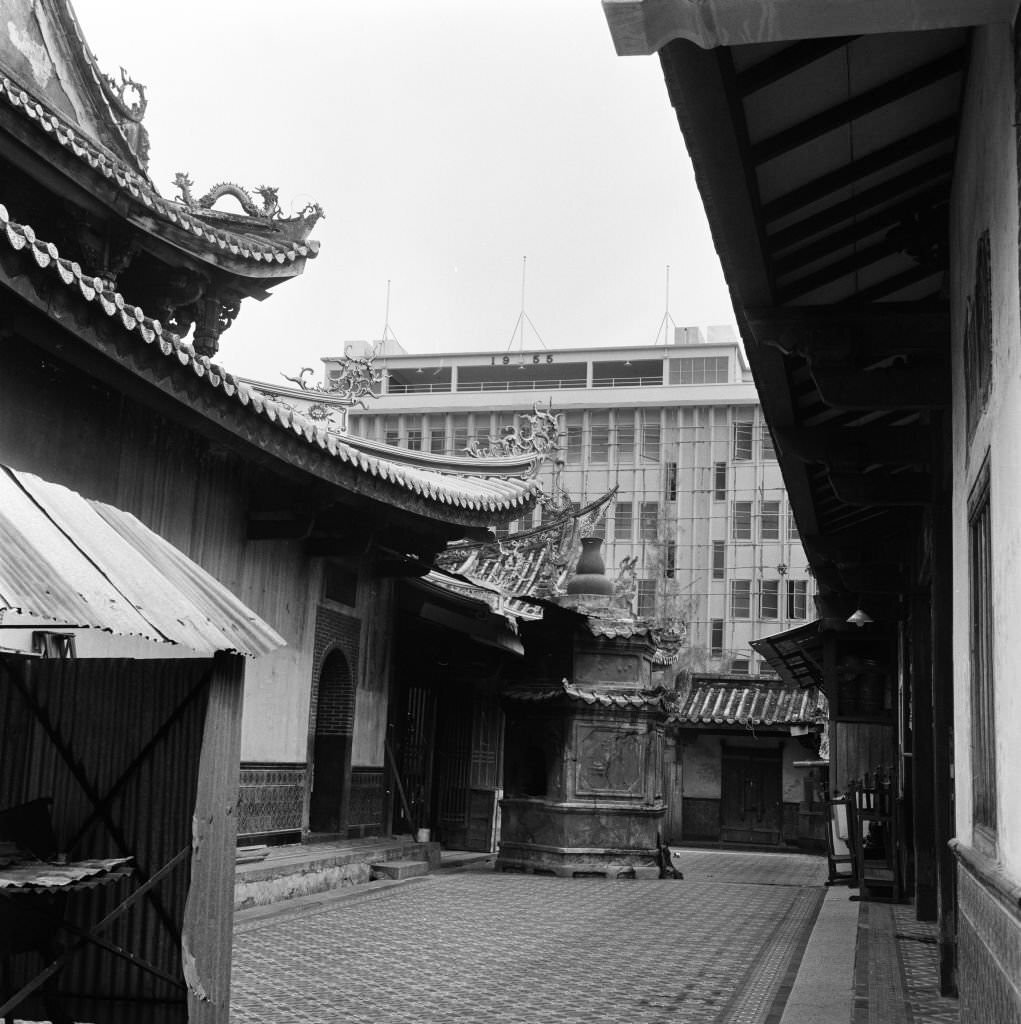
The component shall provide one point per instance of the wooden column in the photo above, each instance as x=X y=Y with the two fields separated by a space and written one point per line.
x=206 y=936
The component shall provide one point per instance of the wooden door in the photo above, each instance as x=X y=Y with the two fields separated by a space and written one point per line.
x=751 y=807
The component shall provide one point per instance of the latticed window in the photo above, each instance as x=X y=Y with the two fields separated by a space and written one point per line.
x=792 y=526
x=651 y=438
x=769 y=599
x=719 y=559
x=742 y=440
x=648 y=526
x=623 y=526
x=415 y=440
x=646 y=599
x=768 y=450
x=437 y=441
x=797 y=599
x=699 y=370
x=770 y=520
x=716 y=638
x=983 y=718
x=741 y=524
x=670 y=563
x=740 y=666
x=625 y=438
x=740 y=599
x=600 y=444
x=720 y=481
x=574 y=439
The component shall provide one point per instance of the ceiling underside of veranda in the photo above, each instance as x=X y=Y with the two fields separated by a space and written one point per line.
x=825 y=166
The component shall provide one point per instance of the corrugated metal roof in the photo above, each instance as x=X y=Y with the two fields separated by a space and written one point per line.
x=711 y=702
x=67 y=559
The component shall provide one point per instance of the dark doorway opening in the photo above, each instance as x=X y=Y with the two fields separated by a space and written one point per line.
x=331 y=748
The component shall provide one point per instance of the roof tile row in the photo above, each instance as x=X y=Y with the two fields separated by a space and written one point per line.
x=464 y=490
x=139 y=188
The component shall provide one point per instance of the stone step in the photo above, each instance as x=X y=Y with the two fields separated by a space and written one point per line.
x=400 y=869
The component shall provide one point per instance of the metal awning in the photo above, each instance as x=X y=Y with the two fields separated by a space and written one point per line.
x=795 y=655
x=67 y=559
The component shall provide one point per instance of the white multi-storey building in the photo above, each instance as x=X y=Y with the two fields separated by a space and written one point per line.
x=700 y=506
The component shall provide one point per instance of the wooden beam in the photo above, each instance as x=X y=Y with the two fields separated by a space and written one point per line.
x=854 y=448
x=875 y=578
x=851 y=173
x=788 y=60
x=902 y=85
x=851 y=337
x=894 y=389
x=939 y=169
x=859 y=228
x=897 y=283
x=834 y=271
x=882 y=489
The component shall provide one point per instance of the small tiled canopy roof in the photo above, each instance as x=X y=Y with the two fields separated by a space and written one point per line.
x=629 y=699
x=471 y=487
x=716 y=702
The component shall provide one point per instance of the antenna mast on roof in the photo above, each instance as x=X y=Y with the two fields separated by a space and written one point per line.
x=388 y=334
x=523 y=317
x=668 y=321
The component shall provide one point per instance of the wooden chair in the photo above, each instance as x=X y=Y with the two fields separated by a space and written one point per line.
x=875 y=836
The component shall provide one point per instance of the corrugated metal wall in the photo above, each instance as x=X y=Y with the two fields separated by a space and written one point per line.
x=134 y=730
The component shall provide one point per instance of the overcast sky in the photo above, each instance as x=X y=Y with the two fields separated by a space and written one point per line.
x=445 y=140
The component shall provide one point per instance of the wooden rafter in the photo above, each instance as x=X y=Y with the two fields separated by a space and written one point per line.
x=899 y=187
x=790 y=59
x=940 y=133
x=881 y=96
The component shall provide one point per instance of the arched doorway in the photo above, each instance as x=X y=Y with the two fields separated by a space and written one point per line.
x=331 y=746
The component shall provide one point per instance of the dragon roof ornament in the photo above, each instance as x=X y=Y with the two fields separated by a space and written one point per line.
x=263 y=217
x=358 y=379
x=128 y=101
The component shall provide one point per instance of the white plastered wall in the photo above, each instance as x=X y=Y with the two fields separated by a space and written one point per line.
x=985 y=198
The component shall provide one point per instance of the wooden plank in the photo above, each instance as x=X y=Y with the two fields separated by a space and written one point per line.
x=206 y=935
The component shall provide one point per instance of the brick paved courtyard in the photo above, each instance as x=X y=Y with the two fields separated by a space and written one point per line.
x=501 y=948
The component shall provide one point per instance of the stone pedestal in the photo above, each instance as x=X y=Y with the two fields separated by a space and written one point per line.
x=584 y=757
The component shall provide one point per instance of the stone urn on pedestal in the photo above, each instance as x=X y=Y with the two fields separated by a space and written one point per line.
x=584 y=740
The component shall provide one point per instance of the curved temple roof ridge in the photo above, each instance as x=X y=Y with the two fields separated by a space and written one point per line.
x=470 y=492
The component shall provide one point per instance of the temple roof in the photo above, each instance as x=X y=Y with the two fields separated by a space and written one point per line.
x=528 y=564
x=469 y=493
x=742 y=702
x=602 y=698
x=50 y=78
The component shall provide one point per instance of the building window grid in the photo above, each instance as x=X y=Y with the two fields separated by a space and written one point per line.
x=769 y=520
x=767 y=447
x=742 y=451
x=719 y=559
x=769 y=599
x=797 y=599
x=740 y=599
x=415 y=440
x=670 y=562
x=651 y=440
x=623 y=523
x=741 y=521
x=648 y=520
x=437 y=441
x=716 y=638
x=720 y=481
x=699 y=370
x=626 y=440
x=646 y=608
x=671 y=481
